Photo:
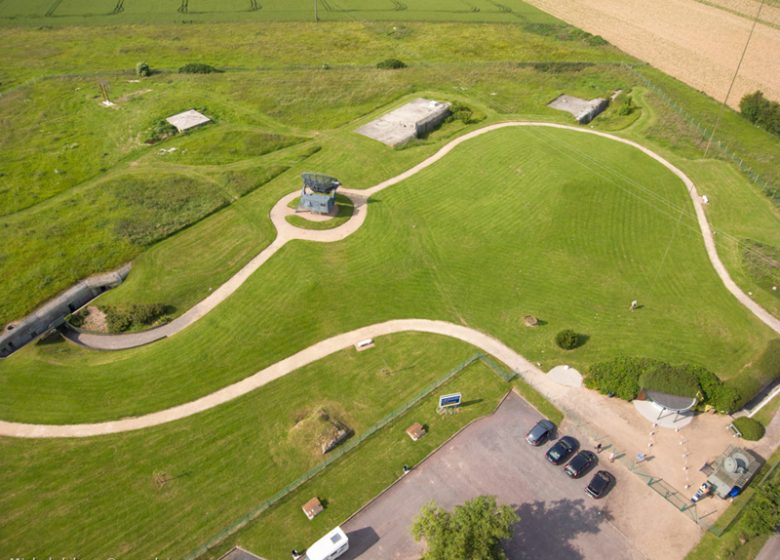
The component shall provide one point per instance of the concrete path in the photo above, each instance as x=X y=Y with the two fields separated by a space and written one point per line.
x=287 y=232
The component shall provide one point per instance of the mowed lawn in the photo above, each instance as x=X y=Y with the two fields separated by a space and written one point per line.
x=558 y=224
x=105 y=497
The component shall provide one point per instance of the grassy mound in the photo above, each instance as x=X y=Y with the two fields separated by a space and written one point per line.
x=318 y=427
x=664 y=378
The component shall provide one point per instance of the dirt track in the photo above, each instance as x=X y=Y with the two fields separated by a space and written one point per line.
x=694 y=42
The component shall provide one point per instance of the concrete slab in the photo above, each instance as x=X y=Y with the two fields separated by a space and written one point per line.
x=582 y=109
x=406 y=123
x=565 y=375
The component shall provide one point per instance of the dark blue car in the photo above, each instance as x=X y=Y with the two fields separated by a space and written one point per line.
x=562 y=450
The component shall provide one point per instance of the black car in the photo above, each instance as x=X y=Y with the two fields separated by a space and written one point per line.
x=582 y=463
x=599 y=484
x=540 y=433
x=562 y=450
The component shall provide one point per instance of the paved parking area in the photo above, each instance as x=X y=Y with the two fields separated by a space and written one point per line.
x=558 y=520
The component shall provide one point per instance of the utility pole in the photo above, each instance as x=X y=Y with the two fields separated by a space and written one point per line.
x=316 y=16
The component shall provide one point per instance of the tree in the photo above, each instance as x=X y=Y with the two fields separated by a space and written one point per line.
x=473 y=530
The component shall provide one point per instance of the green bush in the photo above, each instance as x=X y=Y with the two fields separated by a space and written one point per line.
x=198 y=68
x=622 y=376
x=627 y=107
x=619 y=377
x=142 y=69
x=123 y=317
x=751 y=430
x=464 y=113
x=160 y=130
x=664 y=378
x=391 y=64
x=567 y=339
x=761 y=111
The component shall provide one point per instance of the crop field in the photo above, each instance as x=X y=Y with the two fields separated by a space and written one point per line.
x=565 y=226
x=698 y=42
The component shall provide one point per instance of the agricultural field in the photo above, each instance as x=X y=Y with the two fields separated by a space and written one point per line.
x=566 y=226
x=699 y=42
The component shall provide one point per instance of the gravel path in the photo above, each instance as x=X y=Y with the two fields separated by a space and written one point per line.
x=287 y=232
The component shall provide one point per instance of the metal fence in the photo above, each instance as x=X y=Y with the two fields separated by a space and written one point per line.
x=770 y=189
x=253 y=514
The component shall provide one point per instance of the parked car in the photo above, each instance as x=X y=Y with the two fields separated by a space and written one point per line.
x=562 y=450
x=599 y=484
x=541 y=432
x=582 y=463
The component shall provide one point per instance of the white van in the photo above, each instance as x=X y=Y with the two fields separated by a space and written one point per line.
x=331 y=546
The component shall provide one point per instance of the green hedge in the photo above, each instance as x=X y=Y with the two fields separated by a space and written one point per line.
x=751 y=430
x=664 y=378
x=624 y=377
x=391 y=64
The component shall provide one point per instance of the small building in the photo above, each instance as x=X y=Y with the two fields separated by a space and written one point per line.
x=318 y=194
x=188 y=120
x=329 y=547
x=732 y=471
x=413 y=120
x=312 y=508
x=582 y=110
x=415 y=431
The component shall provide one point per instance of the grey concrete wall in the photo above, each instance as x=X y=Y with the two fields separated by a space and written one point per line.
x=52 y=314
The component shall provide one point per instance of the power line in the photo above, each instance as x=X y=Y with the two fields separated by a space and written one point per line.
x=734 y=78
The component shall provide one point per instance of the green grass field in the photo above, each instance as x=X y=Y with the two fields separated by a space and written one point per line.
x=577 y=225
x=557 y=224
x=99 y=497
x=114 y=12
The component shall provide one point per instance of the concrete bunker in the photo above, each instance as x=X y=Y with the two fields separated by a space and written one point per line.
x=413 y=120
x=582 y=110
x=52 y=314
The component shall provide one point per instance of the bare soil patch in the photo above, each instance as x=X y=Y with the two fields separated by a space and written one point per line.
x=695 y=42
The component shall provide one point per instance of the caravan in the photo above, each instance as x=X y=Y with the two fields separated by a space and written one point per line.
x=329 y=547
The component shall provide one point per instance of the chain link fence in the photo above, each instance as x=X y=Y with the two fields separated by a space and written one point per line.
x=334 y=456
x=770 y=189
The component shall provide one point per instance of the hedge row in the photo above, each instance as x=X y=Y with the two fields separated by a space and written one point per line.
x=625 y=377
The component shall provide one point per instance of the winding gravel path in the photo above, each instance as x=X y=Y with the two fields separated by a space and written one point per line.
x=307 y=356
x=287 y=232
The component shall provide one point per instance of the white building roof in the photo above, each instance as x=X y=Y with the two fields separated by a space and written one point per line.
x=400 y=125
x=187 y=120
x=327 y=545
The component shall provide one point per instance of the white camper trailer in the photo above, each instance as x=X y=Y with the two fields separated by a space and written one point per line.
x=331 y=546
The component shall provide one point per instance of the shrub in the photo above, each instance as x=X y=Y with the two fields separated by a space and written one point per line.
x=567 y=339
x=619 y=377
x=761 y=111
x=625 y=377
x=121 y=318
x=751 y=430
x=670 y=380
x=142 y=69
x=198 y=68
x=627 y=107
x=391 y=64
x=464 y=113
x=160 y=130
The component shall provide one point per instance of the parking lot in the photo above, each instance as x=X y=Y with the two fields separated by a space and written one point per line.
x=558 y=520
